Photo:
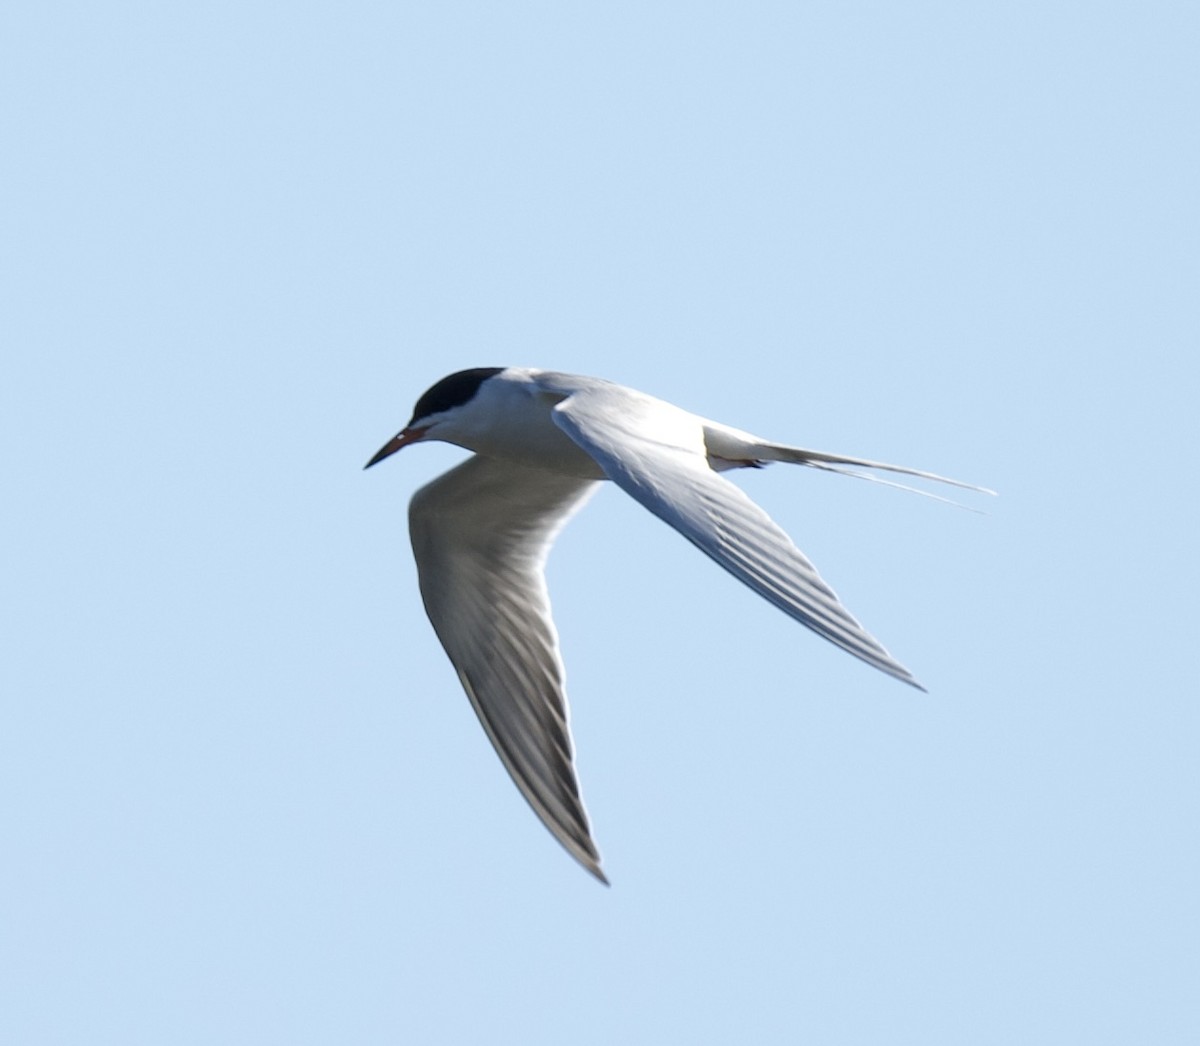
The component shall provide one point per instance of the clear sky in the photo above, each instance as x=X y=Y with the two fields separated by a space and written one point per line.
x=242 y=797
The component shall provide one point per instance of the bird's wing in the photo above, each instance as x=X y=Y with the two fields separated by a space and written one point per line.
x=656 y=453
x=480 y=534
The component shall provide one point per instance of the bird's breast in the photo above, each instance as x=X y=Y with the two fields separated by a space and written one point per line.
x=525 y=433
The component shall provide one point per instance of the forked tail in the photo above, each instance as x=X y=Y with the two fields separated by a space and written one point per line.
x=837 y=463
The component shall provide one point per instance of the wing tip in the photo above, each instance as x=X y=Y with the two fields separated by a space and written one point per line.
x=898 y=671
x=587 y=856
x=599 y=875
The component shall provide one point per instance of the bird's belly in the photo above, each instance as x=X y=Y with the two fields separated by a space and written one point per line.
x=536 y=442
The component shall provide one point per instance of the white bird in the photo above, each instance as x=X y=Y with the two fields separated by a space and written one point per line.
x=481 y=533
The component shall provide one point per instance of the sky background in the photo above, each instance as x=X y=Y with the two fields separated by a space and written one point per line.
x=242 y=797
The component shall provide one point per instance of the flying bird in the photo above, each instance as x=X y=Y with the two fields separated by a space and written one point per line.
x=542 y=440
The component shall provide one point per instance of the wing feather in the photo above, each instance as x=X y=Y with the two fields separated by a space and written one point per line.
x=480 y=534
x=656 y=453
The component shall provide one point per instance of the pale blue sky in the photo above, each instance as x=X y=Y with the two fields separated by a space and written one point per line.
x=242 y=798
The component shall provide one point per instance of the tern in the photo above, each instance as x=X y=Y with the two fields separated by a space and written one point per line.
x=542 y=441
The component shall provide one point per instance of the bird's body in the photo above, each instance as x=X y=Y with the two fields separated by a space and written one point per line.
x=481 y=533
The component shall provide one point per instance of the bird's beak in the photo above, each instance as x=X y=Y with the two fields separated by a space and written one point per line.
x=403 y=439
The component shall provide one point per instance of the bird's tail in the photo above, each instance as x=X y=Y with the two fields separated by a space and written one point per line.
x=733 y=448
x=848 y=466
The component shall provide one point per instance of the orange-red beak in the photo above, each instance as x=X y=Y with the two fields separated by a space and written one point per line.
x=403 y=439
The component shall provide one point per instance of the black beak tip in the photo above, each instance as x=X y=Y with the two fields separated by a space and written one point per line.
x=402 y=439
x=384 y=453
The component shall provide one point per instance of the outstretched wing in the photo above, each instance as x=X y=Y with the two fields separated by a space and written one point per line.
x=481 y=534
x=656 y=453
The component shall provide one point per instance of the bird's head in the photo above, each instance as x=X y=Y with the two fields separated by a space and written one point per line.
x=442 y=412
